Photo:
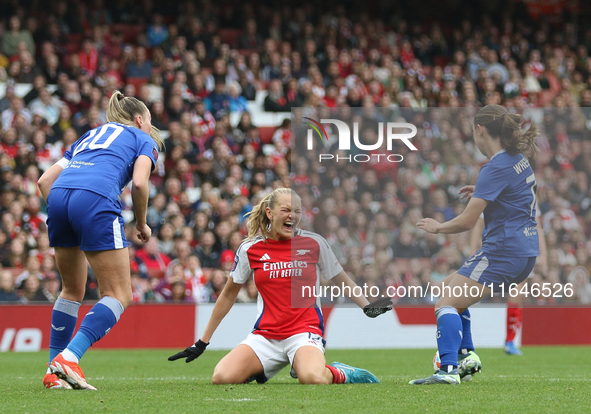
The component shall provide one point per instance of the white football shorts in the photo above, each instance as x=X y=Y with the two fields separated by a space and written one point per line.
x=275 y=354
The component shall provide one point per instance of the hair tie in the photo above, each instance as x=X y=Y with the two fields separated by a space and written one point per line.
x=120 y=97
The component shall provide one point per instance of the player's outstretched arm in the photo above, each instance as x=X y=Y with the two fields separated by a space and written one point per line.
x=459 y=224
x=222 y=306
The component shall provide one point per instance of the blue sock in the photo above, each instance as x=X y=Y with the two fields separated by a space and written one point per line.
x=96 y=324
x=63 y=323
x=449 y=336
x=467 y=344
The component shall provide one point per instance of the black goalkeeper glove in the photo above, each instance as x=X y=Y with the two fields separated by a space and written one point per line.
x=191 y=353
x=378 y=307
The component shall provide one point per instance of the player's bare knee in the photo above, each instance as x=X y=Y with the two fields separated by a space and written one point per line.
x=311 y=378
x=221 y=378
x=73 y=293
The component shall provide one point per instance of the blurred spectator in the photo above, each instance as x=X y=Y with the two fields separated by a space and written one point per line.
x=565 y=217
x=7 y=287
x=156 y=214
x=47 y=106
x=16 y=254
x=442 y=270
x=581 y=282
x=166 y=238
x=157 y=31
x=206 y=251
x=218 y=101
x=52 y=286
x=248 y=89
x=405 y=246
x=141 y=290
x=32 y=268
x=250 y=39
x=29 y=70
x=10 y=115
x=140 y=67
x=227 y=260
x=238 y=102
x=12 y=38
x=178 y=293
x=153 y=262
x=31 y=290
x=88 y=58
x=283 y=133
x=275 y=100
x=216 y=284
x=10 y=146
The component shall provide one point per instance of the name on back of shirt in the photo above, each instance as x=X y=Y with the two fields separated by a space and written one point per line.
x=521 y=166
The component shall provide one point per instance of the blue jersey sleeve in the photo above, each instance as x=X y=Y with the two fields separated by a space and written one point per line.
x=490 y=183
x=149 y=148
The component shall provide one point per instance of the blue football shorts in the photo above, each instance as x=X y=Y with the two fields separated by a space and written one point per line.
x=84 y=218
x=486 y=268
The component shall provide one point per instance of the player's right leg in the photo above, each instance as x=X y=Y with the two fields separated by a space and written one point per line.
x=306 y=354
x=450 y=327
x=468 y=361
x=98 y=225
x=111 y=268
x=71 y=264
x=72 y=267
x=238 y=367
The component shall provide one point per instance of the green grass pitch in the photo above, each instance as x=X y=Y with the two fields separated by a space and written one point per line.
x=544 y=380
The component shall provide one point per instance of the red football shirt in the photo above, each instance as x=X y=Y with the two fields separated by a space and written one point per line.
x=287 y=276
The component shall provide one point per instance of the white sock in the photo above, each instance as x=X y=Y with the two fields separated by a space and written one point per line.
x=48 y=371
x=69 y=356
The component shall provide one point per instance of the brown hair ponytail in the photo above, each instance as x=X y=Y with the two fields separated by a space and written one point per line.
x=502 y=125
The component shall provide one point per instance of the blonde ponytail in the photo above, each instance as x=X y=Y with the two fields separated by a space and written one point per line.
x=257 y=218
x=123 y=109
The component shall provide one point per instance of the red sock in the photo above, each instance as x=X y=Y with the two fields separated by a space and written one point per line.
x=514 y=319
x=338 y=376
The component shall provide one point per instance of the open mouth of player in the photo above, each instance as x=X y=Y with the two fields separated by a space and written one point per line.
x=288 y=226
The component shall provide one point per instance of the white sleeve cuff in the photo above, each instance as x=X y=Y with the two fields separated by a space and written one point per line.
x=63 y=162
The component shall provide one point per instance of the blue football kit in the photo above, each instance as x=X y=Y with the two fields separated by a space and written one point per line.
x=510 y=246
x=510 y=241
x=84 y=206
x=84 y=209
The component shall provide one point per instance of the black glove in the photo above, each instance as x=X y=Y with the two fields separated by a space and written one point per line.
x=378 y=307
x=192 y=352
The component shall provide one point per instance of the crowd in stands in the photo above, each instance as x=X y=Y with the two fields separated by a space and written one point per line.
x=203 y=64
